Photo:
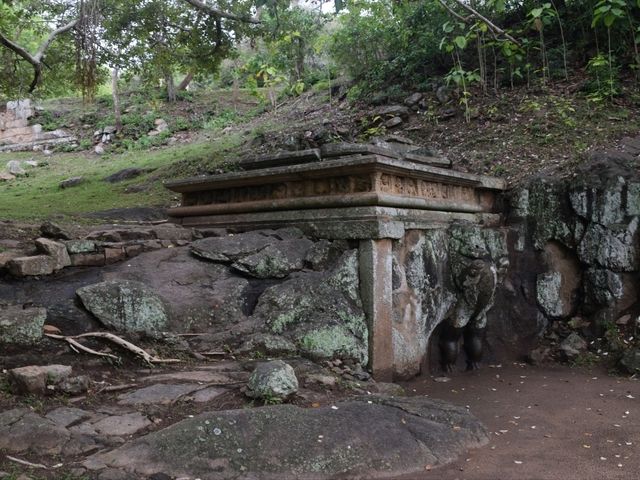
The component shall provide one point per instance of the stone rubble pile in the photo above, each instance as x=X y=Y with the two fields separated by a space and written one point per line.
x=16 y=134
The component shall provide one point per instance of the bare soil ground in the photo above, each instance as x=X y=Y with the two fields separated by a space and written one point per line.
x=546 y=423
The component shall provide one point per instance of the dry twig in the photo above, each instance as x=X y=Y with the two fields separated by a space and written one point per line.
x=28 y=464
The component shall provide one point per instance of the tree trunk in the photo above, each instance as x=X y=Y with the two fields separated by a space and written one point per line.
x=171 y=88
x=300 y=59
x=116 y=99
x=185 y=81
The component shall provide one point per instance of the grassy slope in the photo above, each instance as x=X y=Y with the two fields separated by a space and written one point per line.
x=39 y=195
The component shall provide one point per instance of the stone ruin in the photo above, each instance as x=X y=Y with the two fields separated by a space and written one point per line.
x=412 y=223
x=436 y=249
x=16 y=134
x=366 y=255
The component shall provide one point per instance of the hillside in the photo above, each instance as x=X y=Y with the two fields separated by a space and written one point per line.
x=516 y=134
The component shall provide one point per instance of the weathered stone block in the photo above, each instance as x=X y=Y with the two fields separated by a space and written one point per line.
x=600 y=204
x=277 y=260
x=133 y=250
x=80 y=246
x=322 y=313
x=602 y=287
x=32 y=266
x=20 y=108
x=114 y=255
x=21 y=326
x=34 y=379
x=14 y=167
x=56 y=250
x=633 y=199
x=87 y=259
x=548 y=287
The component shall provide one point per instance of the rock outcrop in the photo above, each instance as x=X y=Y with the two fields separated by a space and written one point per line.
x=369 y=437
x=580 y=240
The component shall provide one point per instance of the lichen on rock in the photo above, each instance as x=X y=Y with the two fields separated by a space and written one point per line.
x=126 y=305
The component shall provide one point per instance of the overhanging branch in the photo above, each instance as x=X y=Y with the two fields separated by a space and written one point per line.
x=216 y=12
x=36 y=60
x=474 y=13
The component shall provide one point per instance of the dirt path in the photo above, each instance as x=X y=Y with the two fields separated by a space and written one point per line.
x=546 y=423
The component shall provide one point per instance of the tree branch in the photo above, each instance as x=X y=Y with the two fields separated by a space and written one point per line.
x=52 y=36
x=215 y=12
x=492 y=26
x=36 y=60
x=453 y=12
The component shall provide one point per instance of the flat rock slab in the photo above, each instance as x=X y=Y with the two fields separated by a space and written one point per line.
x=160 y=394
x=120 y=425
x=368 y=437
x=166 y=394
x=25 y=431
x=198 y=376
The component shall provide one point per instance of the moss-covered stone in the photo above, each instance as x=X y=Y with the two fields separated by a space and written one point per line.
x=273 y=380
x=309 y=306
x=333 y=342
x=126 y=305
x=277 y=260
x=21 y=326
x=615 y=248
x=548 y=286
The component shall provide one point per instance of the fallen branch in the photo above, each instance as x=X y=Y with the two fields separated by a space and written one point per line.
x=75 y=345
x=146 y=356
x=28 y=464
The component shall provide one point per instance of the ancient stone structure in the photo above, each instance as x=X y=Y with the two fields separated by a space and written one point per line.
x=16 y=133
x=414 y=224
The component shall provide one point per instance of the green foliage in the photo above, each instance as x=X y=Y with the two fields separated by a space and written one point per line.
x=221 y=120
x=603 y=78
x=380 y=41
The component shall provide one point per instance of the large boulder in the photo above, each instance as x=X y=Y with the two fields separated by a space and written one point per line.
x=614 y=247
x=126 y=306
x=202 y=296
x=21 y=326
x=273 y=380
x=14 y=167
x=321 y=312
x=368 y=437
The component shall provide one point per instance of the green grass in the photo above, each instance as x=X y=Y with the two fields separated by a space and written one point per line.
x=38 y=195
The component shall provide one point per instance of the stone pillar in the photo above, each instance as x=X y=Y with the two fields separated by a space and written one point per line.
x=376 y=292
